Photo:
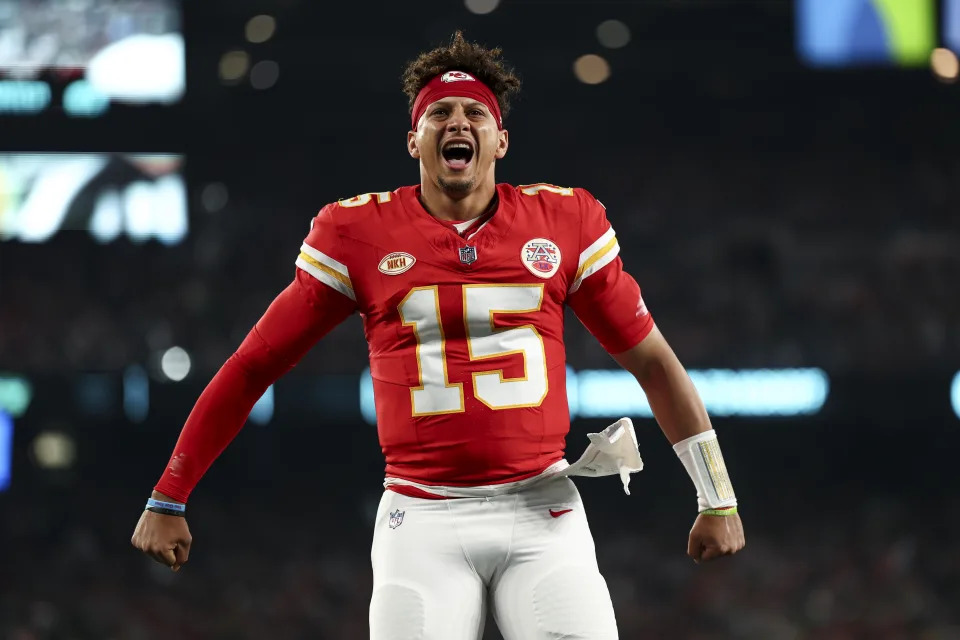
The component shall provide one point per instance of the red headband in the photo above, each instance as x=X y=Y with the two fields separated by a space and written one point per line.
x=455 y=83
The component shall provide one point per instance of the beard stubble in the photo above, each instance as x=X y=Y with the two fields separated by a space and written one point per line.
x=456 y=187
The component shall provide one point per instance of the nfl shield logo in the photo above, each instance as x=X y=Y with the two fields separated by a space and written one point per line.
x=468 y=255
x=396 y=518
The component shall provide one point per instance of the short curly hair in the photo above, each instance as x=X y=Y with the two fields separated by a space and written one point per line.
x=482 y=63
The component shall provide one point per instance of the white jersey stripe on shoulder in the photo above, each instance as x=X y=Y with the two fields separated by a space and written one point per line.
x=326 y=275
x=336 y=275
x=324 y=259
x=599 y=244
x=597 y=255
x=599 y=260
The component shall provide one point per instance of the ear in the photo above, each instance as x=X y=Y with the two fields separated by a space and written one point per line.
x=503 y=143
x=412 y=148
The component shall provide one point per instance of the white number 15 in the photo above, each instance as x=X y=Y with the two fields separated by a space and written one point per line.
x=420 y=310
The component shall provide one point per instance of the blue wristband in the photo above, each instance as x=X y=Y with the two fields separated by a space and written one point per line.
x=170 y=506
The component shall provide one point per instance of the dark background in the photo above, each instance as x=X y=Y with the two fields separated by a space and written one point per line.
x=774 y=215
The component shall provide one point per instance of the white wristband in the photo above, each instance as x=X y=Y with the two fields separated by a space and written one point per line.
x=700 y=455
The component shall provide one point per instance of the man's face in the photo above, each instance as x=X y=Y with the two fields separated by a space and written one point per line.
x=457 y=142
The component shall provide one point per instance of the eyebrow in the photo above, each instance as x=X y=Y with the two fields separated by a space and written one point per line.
x=447 y=103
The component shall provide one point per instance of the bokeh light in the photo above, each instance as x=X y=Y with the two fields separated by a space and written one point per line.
x=613 y=34
x=54 y=450
x=264 y=74
x=481 y=6
x=591 y=69
x=945 y=64
x=260 y=28
x=214 y=197
x=175 y=364
x=233 y=66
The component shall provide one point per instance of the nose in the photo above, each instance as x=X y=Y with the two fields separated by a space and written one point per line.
x=458 y=122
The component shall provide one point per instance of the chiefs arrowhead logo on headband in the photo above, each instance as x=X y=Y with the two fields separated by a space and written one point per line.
x=454 y=76
x=451 y=83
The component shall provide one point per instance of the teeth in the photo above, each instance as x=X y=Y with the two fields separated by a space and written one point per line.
x=457 y=145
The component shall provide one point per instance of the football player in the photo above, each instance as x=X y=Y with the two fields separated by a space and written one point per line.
x=462 y=283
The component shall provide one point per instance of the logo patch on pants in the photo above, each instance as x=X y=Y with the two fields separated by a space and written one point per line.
x=396 y=518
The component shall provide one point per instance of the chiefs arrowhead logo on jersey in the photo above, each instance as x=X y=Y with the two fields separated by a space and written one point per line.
x=455 y=76
x=541 y=257
x=396 y=263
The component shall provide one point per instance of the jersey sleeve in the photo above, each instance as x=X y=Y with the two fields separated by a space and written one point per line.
x=293 y=323
x=606 y=299
x=320 y=297
x=322 y=256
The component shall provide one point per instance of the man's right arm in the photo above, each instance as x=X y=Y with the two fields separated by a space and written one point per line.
x=299 y=317
x=302 y=314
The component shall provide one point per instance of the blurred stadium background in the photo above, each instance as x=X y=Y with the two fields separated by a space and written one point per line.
x=783 y=177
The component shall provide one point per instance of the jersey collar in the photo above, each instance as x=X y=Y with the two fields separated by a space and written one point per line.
x=499 y=222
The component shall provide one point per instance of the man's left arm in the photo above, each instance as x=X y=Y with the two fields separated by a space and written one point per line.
x=609 y=303
x=681 y=415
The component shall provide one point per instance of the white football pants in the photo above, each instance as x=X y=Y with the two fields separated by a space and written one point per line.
x=529 y=555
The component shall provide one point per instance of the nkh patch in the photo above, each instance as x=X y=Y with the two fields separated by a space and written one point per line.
x=396 y=263
x=541 y=257
x=468 y=255
x=396 y=518
x=455 y=76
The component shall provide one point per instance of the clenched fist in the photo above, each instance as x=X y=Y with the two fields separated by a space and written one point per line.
x=715 y=536
x=164 y=538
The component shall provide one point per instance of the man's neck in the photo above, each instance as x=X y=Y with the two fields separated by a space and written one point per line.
x=442 y=206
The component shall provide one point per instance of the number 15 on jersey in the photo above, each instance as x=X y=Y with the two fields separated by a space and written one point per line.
x=482 y=304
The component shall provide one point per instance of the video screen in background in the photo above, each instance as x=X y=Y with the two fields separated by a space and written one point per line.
x=6 y=450
x=108 y=196
x=850 y=33
x=951 y=25
x=84 y=55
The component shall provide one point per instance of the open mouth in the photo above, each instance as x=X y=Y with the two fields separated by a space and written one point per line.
x=457 y=155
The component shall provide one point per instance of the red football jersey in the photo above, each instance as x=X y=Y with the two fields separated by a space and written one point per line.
x=466 y=331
